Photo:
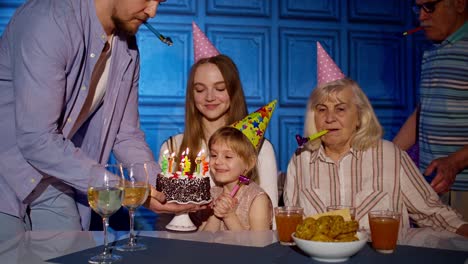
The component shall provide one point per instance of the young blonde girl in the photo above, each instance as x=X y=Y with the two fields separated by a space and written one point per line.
x=232 y=155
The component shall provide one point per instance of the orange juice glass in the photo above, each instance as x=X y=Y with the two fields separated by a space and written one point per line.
x=352 y=210
x=287 y=218
x=384 y=226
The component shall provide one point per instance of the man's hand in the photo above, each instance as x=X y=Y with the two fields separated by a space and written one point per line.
x=446 y=174
x=447 y=169
x=156 y=202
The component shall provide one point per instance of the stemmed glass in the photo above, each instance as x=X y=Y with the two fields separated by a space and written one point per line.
x=105 y=194
x=136 y=190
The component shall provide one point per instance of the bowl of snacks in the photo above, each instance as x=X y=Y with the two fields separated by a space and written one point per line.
x=329 y=238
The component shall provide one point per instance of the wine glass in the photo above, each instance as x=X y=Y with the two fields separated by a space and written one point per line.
x=105 y=194
x=136 y=190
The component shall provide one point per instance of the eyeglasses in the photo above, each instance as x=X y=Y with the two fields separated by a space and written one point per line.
x=428 y=7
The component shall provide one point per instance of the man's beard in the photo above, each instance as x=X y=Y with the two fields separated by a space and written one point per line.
x=124 y=27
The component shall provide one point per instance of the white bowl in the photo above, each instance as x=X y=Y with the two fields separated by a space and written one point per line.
x=331 y=251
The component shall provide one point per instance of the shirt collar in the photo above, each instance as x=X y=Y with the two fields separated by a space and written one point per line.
x=457 y=35
x=96 y=27
x=320 y=155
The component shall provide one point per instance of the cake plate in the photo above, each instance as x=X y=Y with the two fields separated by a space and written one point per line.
x=182 y=222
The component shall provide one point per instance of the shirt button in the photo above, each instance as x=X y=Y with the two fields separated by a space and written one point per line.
x=33 y=180
x=103 y=37
x=92 y=55
x=83 y=88
x=69 y=119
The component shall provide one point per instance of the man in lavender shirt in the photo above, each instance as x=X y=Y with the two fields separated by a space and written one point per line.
x=69 y=75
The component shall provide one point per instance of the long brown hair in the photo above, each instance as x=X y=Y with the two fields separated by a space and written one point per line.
x=240 y=144
x=193 y=132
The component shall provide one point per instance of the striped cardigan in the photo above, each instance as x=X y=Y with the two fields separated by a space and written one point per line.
x=379 y=178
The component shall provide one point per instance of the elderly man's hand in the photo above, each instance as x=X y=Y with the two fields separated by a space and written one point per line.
x=156 y=202
x=446 y=170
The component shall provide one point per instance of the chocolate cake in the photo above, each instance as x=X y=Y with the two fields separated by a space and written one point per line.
x=188 y=188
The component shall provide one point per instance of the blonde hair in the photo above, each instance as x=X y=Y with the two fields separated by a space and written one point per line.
x=369 y=131
x=240 y=144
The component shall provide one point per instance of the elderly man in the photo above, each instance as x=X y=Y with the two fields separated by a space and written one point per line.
x=442 y=116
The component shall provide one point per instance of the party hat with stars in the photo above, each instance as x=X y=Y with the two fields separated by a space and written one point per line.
x=202 y=46
x=254 y=125
x=327 y=71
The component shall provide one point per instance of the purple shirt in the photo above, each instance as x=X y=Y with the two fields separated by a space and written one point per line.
x=47 y=54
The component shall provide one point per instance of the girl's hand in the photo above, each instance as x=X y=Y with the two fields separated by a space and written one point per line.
x=225 y=206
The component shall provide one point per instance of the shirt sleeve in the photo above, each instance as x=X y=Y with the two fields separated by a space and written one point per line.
x=268 y=171
x=130 y=145
x=423 y=203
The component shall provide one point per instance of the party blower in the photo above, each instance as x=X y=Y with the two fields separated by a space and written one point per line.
x=242 y=180
x=166 y=40
x=412 y=31
x=302 y=140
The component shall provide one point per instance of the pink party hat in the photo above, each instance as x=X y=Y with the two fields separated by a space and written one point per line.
x=202 y=46
x=327 y=71
x=254 y=125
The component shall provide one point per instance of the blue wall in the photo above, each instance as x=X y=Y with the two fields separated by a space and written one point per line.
x=273 y=44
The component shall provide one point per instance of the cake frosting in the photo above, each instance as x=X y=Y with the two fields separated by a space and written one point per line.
x=184 y=187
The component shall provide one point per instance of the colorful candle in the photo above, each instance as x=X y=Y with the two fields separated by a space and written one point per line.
x=170 y=160
x=187 y=165
x=198 y=161
x=181 y=165
x=164 y=161
x=182 y=159
x=204 y=163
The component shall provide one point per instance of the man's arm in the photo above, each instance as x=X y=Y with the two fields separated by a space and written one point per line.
x=407 y=135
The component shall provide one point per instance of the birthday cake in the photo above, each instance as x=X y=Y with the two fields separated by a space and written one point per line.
x=184 y=188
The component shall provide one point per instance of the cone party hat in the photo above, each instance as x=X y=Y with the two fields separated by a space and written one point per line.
x=327 y=71
x=202 y=46
x=254 y=125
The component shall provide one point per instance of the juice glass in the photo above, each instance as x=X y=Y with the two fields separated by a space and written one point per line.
x=352 y=210
x=384 y=226
x=287 y=218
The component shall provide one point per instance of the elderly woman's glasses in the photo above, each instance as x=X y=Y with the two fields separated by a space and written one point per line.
x=428 y=7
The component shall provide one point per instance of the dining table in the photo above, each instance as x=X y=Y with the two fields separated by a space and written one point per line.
x=418 y=245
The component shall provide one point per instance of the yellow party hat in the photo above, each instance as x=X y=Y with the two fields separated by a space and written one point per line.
x=254 y=125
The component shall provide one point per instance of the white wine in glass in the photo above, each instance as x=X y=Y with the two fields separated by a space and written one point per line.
x=105 y=195
x=136 y=189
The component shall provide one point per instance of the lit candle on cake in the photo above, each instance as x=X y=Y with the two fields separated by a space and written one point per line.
x=182 y=159
x=181 y=165
x=198 y=161
x=204 y=163
x=187 y=163
x=170 y=160
x=164 y=161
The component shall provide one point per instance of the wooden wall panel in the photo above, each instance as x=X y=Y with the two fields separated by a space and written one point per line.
x=317 y=9
x=273 y=44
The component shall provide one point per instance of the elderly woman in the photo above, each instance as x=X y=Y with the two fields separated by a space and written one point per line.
x=353 y=165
